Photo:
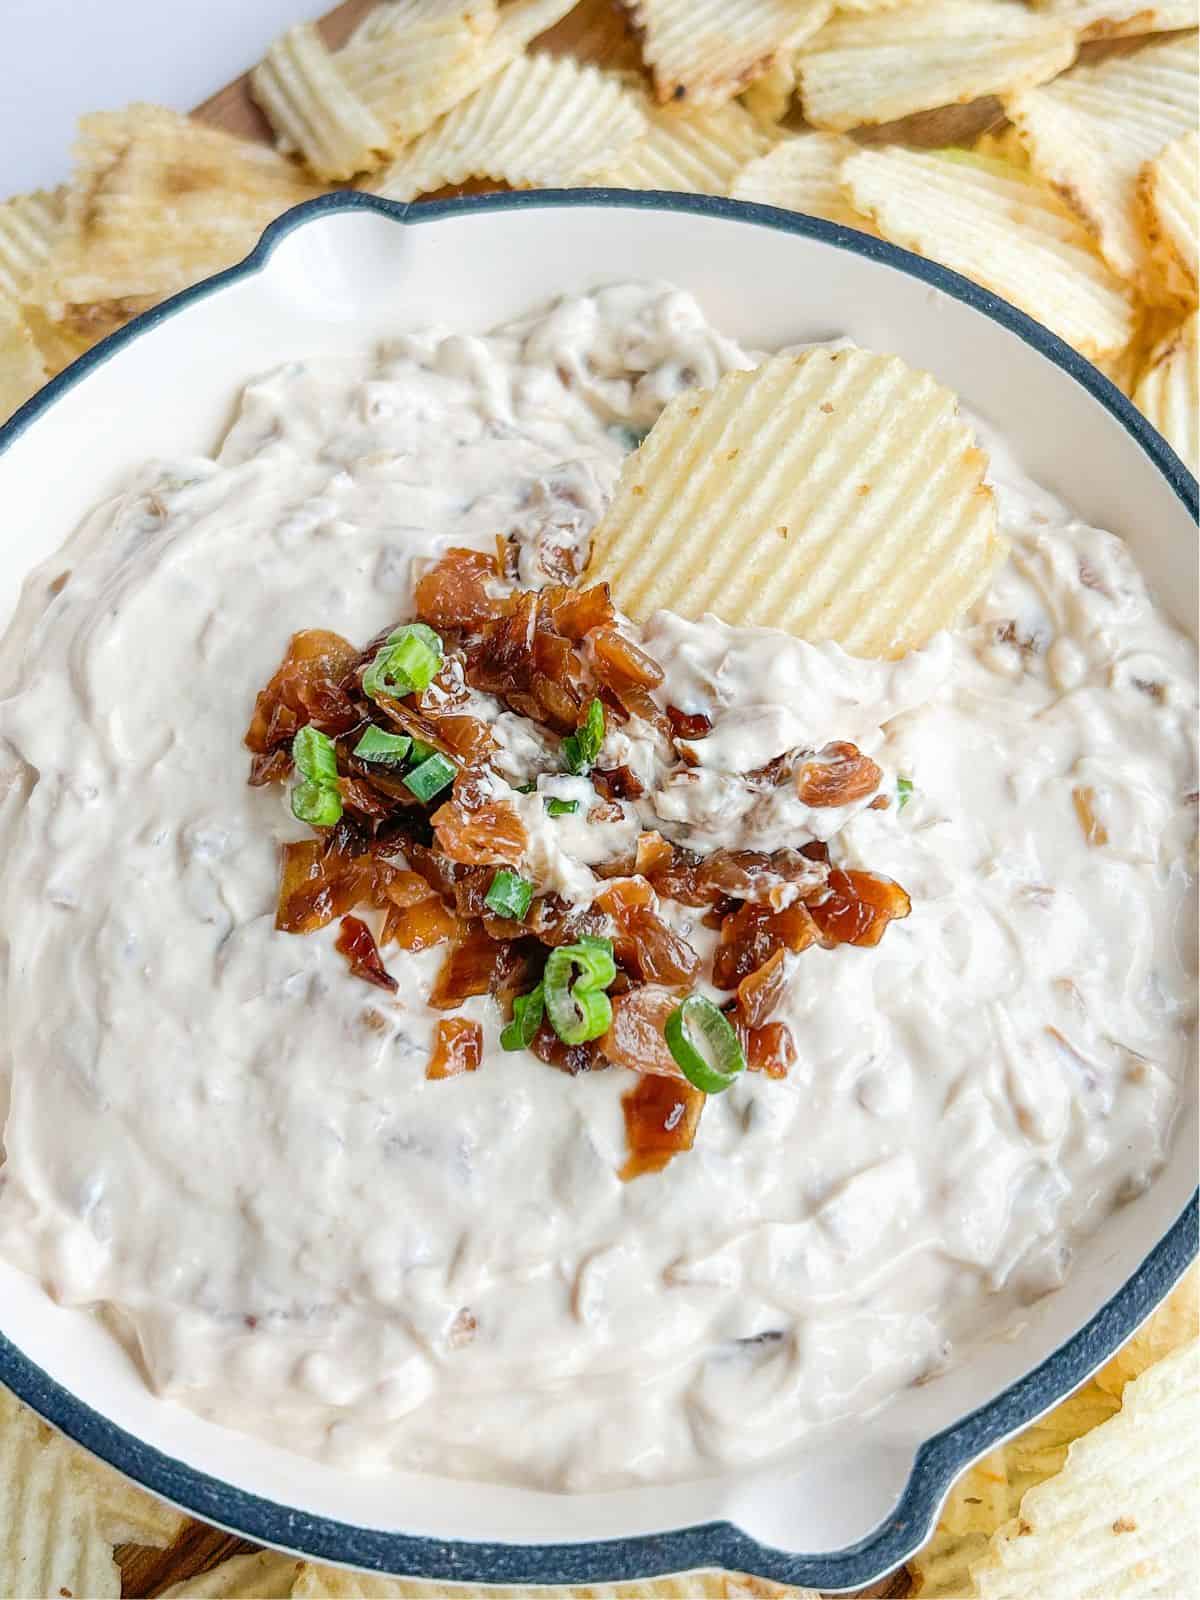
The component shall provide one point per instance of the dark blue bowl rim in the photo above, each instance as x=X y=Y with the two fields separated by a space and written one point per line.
x=716 y=1544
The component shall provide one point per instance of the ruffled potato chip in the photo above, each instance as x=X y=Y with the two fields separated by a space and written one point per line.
x=1001 y=226
x=263 y=1575
x=22 y=370
x=706 y=51
x=1092 y=131
x=770 y=97
x=541 y=123
x=865 y=70
x=1117 y=1520
x=328 y=1583
x=1119 y=19
x=836 y=494
x=141 y=221
x=313 y=110
x=1168 y=199
x=29 y=226
x=804 y=174
x=1167 y=393
x=697 y=152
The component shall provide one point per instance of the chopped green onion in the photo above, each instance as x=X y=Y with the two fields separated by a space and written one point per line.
x=318 y=804
x=315 y=755
x=422 y=751
x=528 y=1011
x=407 y=663
x=698 y=1016
x=527 y=788
x=904 y=790
x=561 y=808
x=431 y=777
x=580 y=1010
x=581 y=748
x=388 y=749
x=510 y=895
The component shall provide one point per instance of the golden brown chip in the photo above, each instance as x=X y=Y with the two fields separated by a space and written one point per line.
x=414 y=60
x=1001 y=226
x=1166 y=393
x=1092 y=131
x=803 y=173
x=769 y=98
x=1176 y=1322
x=836 y=494
x=313 y=109
x=158 y=201
x=706 y=51
x=541 y=123
x=1118 y=19
x=1002 y=144
x=866 y=70
x=264 y=1575
x=50 y=1538
x=1168 y=199
x=29 y=225
x=330 y=1583
x=1127 y=365
x=698 y=152
x=22 y=370
x=1118 y=1520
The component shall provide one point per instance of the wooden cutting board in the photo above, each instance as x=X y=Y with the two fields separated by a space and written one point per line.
x=595 y=31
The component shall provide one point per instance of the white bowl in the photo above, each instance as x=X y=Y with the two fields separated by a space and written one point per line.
x=343 y=271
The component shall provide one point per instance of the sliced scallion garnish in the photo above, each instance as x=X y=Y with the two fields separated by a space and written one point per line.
x=528 y=1011
x=315 y=755
x=317 y=800
x=318 y=804
x=406 y=664
x=581 y=748
x=561 y=808
x=431 y=777
x=386 y=749
x=698 y=1017
x=904 y=791
x=577 y=1006
x=509 y=895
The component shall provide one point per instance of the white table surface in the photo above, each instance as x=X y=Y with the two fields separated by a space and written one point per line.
x=60 y=58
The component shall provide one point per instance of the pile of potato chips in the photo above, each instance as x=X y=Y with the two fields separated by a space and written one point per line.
x=998 y=138
x=1069 y=184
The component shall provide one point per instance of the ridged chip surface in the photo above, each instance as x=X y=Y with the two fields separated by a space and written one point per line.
x=1092 y=131
x=1168 y=198
x=1166 y=393
x=1120 y=19
x=29 y=225
x=542 y=122
x=834 y=494
x=695 y=152
x=804 y=173
x=703 y=52
x=1001 y=226
x=866 y=70
x=313 y=110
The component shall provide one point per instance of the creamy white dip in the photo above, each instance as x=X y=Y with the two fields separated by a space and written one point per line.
x=229 y=1144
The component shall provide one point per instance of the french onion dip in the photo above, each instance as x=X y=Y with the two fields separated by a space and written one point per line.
x=298 y=1096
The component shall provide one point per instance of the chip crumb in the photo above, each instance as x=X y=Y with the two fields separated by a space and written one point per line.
x=826 y=408
x=1124 y=1525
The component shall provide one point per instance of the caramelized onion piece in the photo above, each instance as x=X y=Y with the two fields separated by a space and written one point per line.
x=770 y=1049
x=453 y=595
x=661 y=1118
x=306 y=687
x=617 y=783
x=575 y=612
x=319 y=883
x=619 y=661
x=642 y=941
x=689 y=724
x=272 y=768
x=420 y=926
x=572 y=1058
x=751 y=935
x=760 y=991
x=356 y=943
x=476 y=830
x=472 y=966
x=635 y=1036
x=858 y=906
x=837 y=775
x=457 y=1047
